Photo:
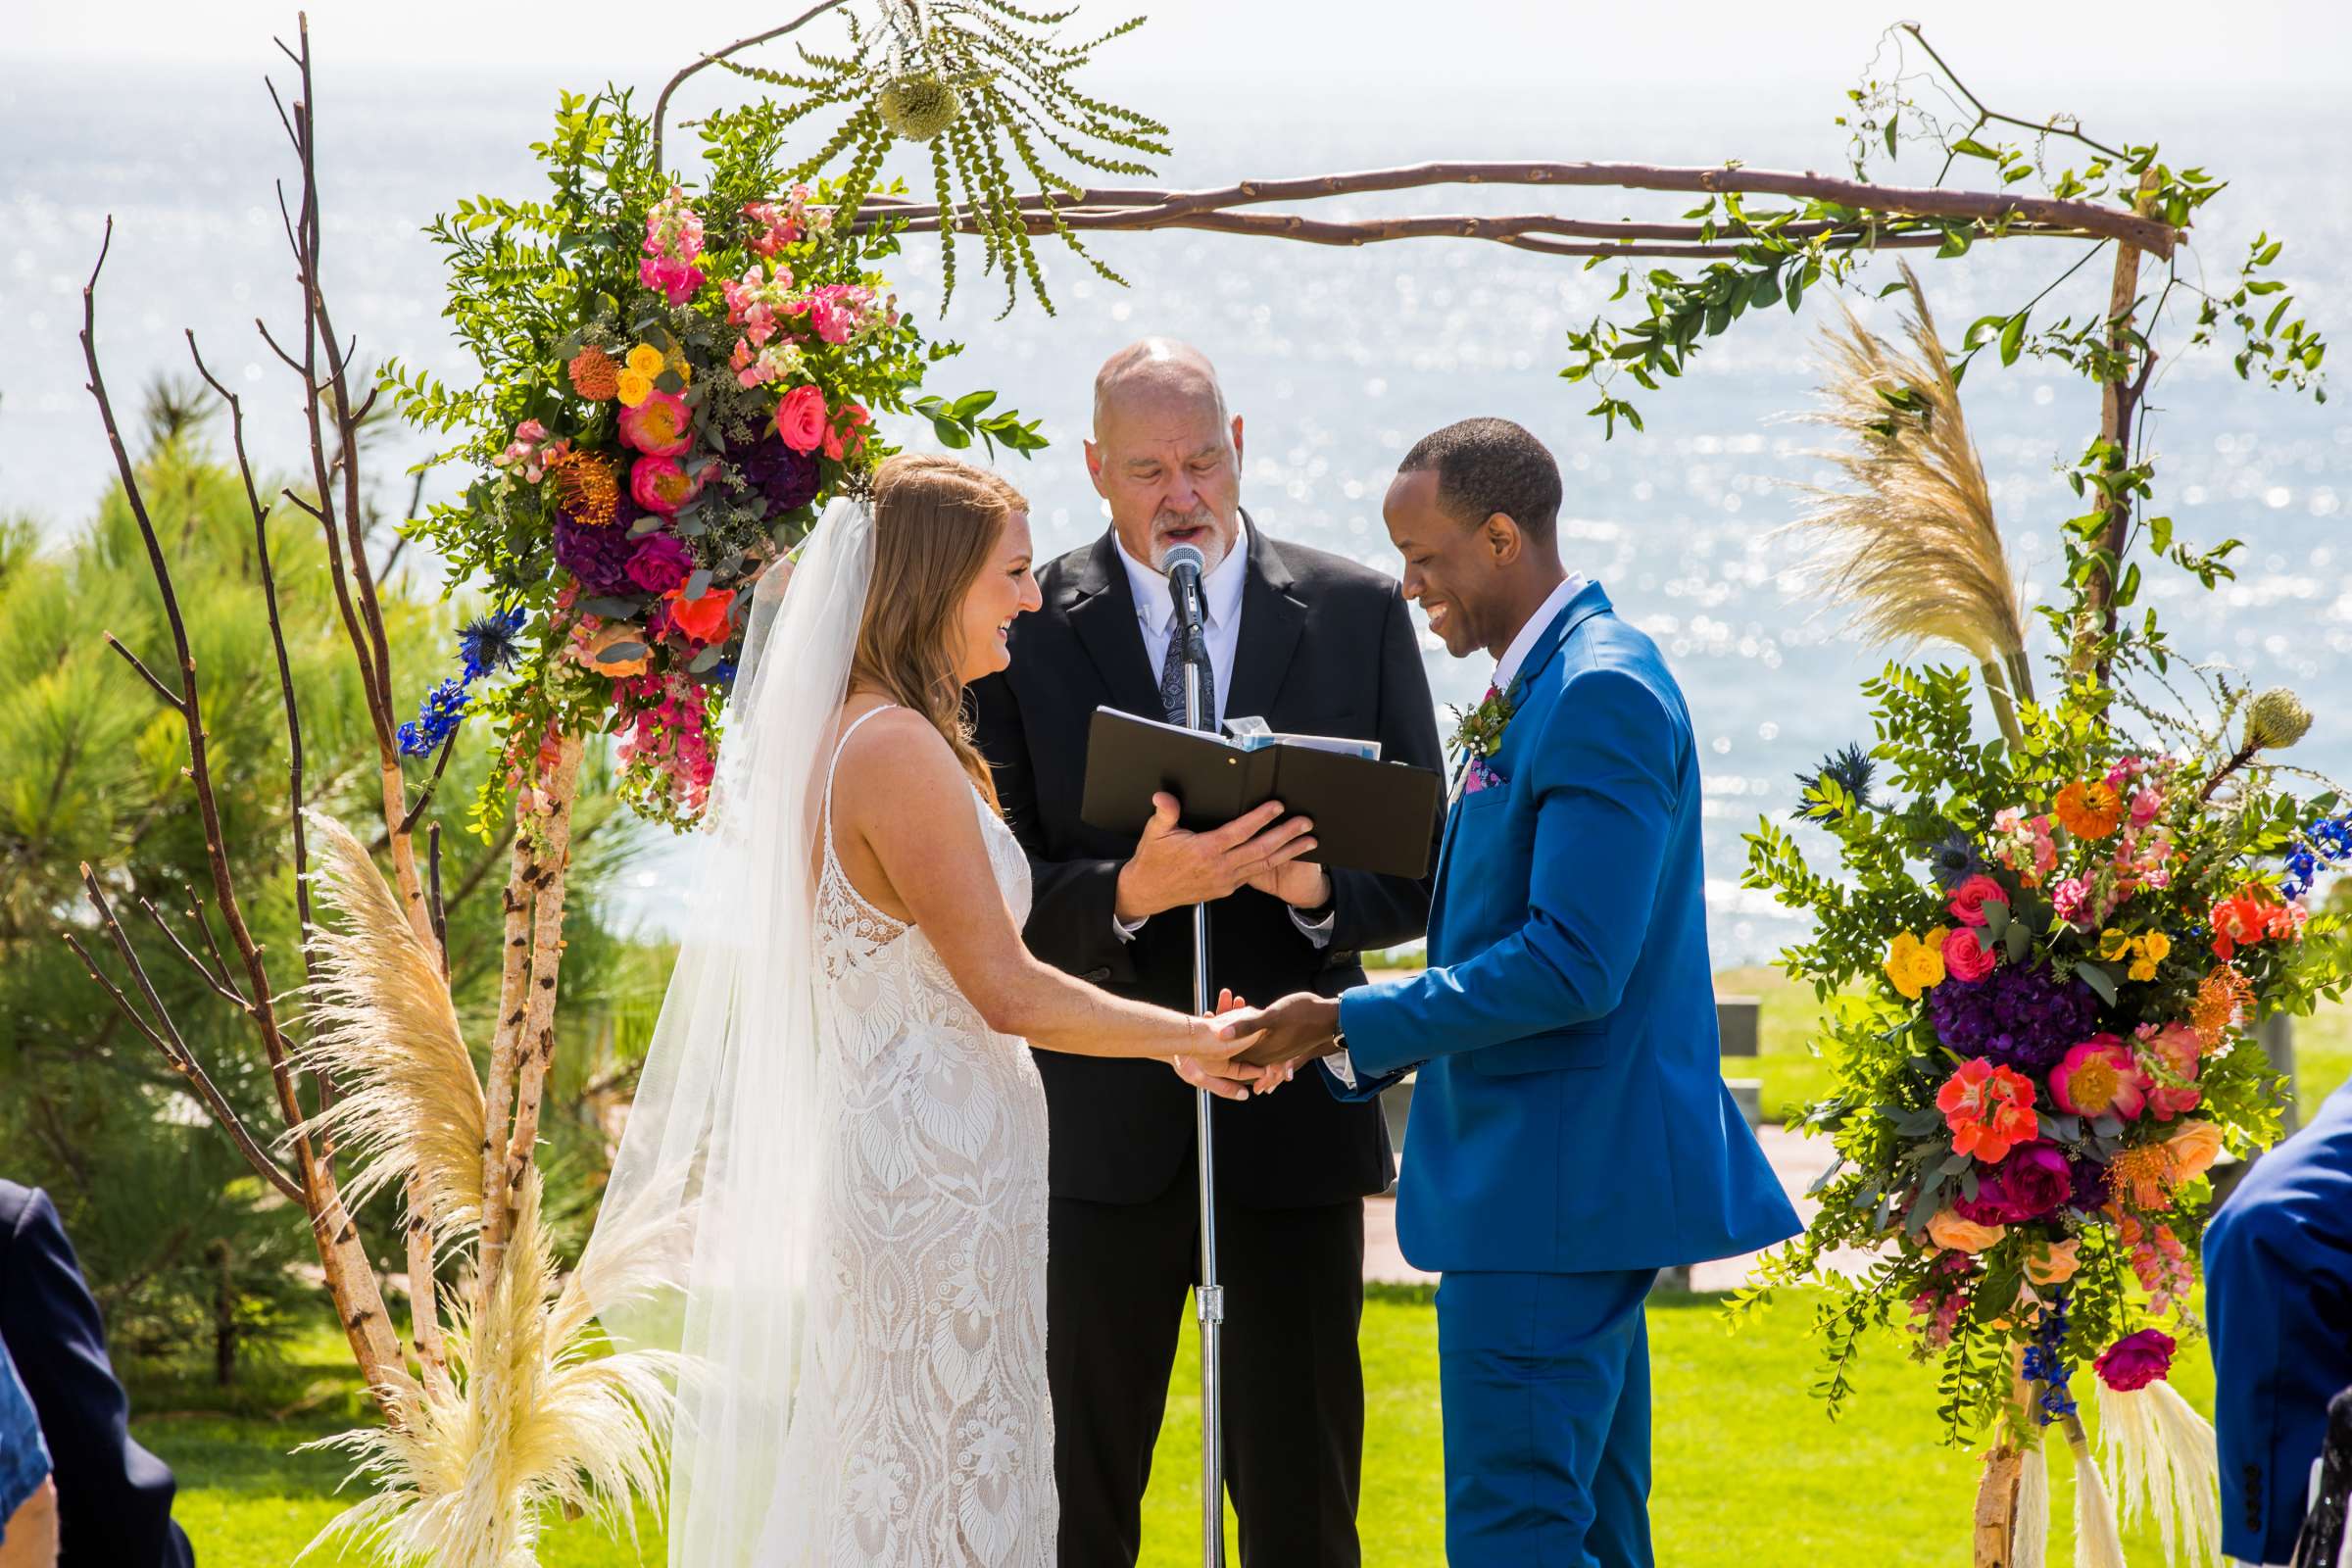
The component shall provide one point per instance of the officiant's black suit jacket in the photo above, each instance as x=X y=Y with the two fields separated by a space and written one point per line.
x=1325 y=647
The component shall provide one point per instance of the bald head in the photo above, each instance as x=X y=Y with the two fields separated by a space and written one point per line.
x=1156 y=370
x=1165 y=454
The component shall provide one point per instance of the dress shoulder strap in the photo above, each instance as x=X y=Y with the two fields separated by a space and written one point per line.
x=834 y=767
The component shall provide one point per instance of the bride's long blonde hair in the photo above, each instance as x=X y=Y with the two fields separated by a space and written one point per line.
x=936 y=523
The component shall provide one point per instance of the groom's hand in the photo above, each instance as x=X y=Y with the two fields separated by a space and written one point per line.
x=1172 y=867
x=1295 y=1029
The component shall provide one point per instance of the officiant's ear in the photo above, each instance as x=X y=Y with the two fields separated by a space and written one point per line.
x=1237 y=441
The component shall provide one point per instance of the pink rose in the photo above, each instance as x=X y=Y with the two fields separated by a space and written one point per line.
x=2136 y=1361
x=658 y=484
x=1969 y=956
x=1967 y=898
x=801 y=419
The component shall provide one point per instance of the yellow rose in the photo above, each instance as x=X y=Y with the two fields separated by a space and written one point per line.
x=1948 y=1229
x=1902 y=964
x=2113 y=944
x=2054 y=1263
x=2193 y=1148
x=633 y=388
x=2155 y=946
x=646 y=361
x=2142 y=969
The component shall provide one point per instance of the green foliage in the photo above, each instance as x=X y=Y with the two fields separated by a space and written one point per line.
x=984 y=83
x=178 y=1237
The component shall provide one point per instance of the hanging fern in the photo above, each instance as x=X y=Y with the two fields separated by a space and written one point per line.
x=970 y=78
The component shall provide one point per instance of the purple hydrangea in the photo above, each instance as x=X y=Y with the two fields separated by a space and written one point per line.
x=598 y=557
x=2017 y=1016
x=787 y=478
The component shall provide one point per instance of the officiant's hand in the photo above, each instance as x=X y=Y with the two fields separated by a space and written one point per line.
x=1172 y=867
x=1226 y=1078
x=1295 y=1029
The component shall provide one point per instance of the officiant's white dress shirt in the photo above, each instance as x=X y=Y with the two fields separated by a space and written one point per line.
x=1221 y=607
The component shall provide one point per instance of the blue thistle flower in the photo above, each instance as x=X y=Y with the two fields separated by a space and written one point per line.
x=488 y=644
x=1852 y=770
x=2045 y=1363
x=1954 y=860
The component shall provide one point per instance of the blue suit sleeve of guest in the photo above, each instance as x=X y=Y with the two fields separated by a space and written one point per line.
x=24 y=1457
x=113 y=1499
x=1605 y=777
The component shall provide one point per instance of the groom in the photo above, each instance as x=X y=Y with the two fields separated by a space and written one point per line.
x=1570 y=1133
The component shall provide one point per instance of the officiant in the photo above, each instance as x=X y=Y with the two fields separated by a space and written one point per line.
x=1312 y=643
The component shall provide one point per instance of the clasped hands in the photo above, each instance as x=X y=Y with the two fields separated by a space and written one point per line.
x=1281 y=1038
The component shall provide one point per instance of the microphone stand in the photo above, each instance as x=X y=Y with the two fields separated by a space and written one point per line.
x=1209 y=1297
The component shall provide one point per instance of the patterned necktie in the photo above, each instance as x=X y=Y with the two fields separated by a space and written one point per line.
x=1171 y=680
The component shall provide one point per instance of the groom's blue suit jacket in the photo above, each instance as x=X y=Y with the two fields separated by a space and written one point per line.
x=1570 y=1114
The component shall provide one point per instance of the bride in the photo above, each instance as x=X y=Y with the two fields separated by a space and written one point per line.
x=831 y=1192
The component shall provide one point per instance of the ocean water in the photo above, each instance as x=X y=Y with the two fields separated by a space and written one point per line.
x=1337 y=359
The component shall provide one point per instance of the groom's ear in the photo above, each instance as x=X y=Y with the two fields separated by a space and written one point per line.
x=1094 y=467
x=1502 y=538
x=1237 y=441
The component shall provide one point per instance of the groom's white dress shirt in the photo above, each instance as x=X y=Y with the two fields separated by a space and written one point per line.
x=1221 y=605
x=1505 y=671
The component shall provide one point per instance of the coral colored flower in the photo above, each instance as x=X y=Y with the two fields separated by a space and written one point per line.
x=801 y=419
x=2054 y=1263
x=658 y=484
x=594 y=376
x=844 y=440
x=1968 y=897
x=2088 y=810
x=2136 y=1361
x=704 y=620
x=587 y=491
x=1968 y=957
x=2171 y=1056
x=2142 y=1177
x=661 y=426
x=2099 y=1077
x=1947 y=1229
x=1989 y=1110
x=2193 y=1148
x=632 y=387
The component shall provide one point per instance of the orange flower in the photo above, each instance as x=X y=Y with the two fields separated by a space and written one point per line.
x=2089 y=811
x=594 y=376
x=1948 y=1229
x=704 y=620
x=2193 y=1148
x=2054 y=1263
x=586 y=488
x=1989 y=1110
x=2221 y=997
x=613 y=634
x=2144 y=1174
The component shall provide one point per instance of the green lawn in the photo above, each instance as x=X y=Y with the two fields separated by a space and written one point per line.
x=1748 y=1470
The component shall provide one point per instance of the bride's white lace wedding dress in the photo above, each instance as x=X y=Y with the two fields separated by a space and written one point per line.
x=922 y=1431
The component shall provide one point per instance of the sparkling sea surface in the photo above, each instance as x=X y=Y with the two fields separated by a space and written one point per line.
x=1338 y=360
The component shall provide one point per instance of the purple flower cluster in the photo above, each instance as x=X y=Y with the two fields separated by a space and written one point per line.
x=2017 y=1017
x=598 y=557
x=787 y=478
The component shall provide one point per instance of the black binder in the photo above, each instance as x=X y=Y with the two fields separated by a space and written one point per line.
x=1368 y=815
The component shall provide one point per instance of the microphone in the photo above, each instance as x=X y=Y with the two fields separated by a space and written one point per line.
x=1184 y=564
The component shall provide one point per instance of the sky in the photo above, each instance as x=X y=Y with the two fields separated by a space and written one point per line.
x=1569 y=45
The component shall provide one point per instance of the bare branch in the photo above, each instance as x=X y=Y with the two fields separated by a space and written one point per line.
x=171 y=699
x=218 y=983
x=662 y=103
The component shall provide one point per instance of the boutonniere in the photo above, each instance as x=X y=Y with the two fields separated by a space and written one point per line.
x=1478 y=736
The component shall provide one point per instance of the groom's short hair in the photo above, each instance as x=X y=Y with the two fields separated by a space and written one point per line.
x=1490 y=466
